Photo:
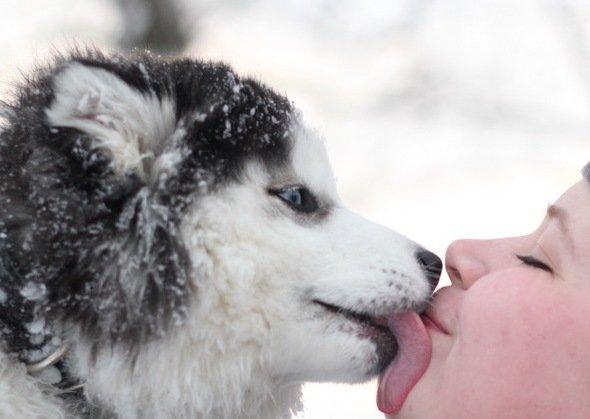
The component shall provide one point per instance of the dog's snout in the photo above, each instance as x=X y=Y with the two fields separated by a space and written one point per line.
x=432 y=266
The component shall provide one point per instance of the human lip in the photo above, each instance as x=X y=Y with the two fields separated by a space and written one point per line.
x=432 y=321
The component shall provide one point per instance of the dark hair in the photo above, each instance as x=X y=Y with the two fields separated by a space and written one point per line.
x=586 y=172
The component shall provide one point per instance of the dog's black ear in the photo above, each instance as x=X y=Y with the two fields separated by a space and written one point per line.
x=130 y=125
x=130 y=279
x=139 y=275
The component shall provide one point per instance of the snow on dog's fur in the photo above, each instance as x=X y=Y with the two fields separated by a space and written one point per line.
x=179 y=227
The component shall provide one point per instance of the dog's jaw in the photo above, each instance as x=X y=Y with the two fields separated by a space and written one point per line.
x=370 y=327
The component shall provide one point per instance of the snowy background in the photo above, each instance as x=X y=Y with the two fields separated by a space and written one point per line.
x=444 y=119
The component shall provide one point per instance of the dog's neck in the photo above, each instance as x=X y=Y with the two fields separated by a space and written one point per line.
x=149 y=391
x=175 y=377
x=199 y=370
x=171 y=391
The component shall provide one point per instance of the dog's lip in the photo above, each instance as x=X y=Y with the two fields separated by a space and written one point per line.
x=375 y=321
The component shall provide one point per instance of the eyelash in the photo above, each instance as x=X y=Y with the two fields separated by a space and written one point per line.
x=534 y=262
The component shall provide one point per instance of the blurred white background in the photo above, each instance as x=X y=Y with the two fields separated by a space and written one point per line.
x=444 y=119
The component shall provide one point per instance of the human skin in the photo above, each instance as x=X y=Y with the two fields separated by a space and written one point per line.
x=513 y=340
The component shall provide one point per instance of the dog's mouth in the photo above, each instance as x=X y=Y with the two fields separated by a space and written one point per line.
x=378 y=323
x=369 y=327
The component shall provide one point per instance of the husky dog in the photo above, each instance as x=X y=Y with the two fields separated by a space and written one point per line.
x=172 y=246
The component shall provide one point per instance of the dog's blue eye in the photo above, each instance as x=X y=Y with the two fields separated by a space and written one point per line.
x=292 y=196
x=297 y=197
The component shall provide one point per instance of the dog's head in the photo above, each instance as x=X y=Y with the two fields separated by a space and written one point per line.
x=320 y=278
x=147 y=200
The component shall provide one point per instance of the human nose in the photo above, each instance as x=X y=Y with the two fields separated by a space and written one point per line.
x=464 y=262
x=469 y=260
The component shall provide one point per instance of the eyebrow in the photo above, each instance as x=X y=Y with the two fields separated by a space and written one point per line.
x=561 y=216
x=558 y=214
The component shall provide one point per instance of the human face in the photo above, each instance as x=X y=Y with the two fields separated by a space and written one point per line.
x=511 y=337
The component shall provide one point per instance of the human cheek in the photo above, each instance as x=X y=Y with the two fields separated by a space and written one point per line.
x=503 y=334
x=505 y=311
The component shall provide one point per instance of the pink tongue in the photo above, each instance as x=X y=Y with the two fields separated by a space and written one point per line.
x=408 y=366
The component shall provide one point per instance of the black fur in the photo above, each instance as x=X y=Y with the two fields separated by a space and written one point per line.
x=103 y=249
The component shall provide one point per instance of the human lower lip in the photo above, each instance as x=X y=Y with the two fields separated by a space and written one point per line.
x=432 y=323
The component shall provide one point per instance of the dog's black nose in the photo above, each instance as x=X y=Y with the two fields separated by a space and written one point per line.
x=432 y=266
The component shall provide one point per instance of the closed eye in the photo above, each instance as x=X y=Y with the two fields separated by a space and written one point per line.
x=534 y=262
x=297 y=197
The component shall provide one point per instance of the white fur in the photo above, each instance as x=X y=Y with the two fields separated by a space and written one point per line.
x=131 y=125
x=21 y=395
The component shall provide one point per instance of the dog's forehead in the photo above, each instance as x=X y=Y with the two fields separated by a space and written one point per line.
x=310 y=160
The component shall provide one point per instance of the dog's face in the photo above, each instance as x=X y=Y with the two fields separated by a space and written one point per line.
x=318 y=277
x=179 y=209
